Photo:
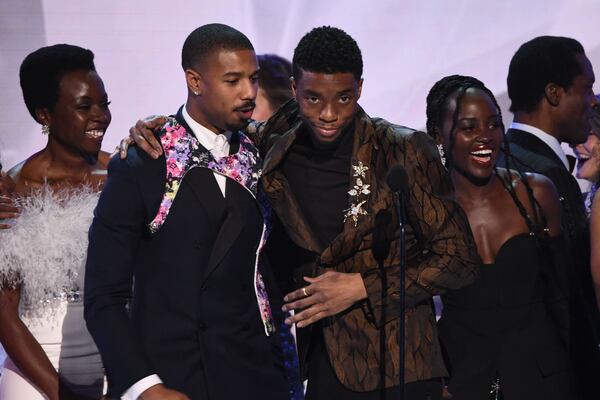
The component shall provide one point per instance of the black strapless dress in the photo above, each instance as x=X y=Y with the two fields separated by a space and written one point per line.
x=508 y=328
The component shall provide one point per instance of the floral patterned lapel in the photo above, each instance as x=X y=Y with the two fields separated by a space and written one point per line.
x=182 y=153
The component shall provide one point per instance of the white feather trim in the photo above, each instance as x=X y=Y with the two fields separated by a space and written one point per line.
x=46 y=248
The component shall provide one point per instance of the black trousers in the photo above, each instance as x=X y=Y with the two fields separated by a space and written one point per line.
x=323 y=384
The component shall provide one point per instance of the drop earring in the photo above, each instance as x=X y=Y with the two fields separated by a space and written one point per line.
x=442 y=153
x=45 y=129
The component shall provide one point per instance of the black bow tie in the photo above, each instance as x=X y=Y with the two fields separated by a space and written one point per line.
x=572 y=161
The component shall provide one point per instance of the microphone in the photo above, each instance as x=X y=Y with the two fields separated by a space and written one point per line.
x=397 y=180
x=381 y=236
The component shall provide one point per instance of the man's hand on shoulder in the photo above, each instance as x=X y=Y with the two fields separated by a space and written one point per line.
x=161 y=392
x=142 y=135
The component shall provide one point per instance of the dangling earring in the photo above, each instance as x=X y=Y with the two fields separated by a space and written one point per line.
x=45 y=129
x=442 y=153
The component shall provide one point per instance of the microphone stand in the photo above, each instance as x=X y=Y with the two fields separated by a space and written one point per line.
x=400 y=211
x=381 y=249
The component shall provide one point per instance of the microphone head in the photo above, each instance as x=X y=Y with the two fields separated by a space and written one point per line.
x=397 y=179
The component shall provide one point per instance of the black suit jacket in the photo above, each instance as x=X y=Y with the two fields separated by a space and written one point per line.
x=193 y=317
x=531 y=154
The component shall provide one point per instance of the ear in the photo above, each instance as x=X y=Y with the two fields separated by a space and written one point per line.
x=194 y=81
x=359 y=88
x=553 y=94
x=293 y=85
x=43 y=116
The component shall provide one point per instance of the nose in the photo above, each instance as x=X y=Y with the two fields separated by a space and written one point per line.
x=249 y=90
x=328 y=113
x=101 y=114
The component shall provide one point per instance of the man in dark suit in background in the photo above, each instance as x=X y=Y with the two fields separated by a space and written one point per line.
x=187 y=231
x=550 y=82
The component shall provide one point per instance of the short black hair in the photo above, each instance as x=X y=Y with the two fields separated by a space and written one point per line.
x=274 y=79
x=327 y=50
x=438 y=100
x=538 y=62
x=42 y=70
x=208 y=38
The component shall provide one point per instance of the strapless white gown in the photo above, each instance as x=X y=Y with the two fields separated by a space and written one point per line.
x=47 y=247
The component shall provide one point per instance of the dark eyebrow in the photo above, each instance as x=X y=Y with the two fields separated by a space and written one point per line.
x=311 y=93
x=232 y=74
x=236 y=74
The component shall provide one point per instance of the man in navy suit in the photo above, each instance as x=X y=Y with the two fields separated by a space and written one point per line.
x=550 y=82
x=175 y=290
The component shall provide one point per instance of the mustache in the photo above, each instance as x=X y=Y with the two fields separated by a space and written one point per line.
x=246 y=105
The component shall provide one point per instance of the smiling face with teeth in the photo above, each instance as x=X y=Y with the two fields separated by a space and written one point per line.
x=80 y=116
x=588 y=158
x=477 y=136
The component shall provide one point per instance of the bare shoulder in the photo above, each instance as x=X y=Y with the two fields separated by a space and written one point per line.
x=546 y=195
x=543 y=188
x=28 y=169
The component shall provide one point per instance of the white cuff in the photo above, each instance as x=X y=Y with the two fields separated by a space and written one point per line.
x=136 y=390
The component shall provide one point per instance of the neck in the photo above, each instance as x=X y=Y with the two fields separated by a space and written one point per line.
x=63 y=158
x=539 y=120
x=472 y=189
x=194 y=110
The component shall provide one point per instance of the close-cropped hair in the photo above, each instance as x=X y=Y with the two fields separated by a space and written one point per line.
x=543 y=60
x=274 y=79
x=42 y=70
x=327 y=50
x=208 y=38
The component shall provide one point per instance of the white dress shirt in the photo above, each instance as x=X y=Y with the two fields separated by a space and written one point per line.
x=550 y=140
x=218 y=145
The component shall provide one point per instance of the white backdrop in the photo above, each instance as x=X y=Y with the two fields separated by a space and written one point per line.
x=406 y=45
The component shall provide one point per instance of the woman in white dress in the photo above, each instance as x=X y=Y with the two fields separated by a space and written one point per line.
x=50 y=353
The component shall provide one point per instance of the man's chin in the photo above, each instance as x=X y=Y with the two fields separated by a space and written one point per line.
x=238 y=126
x=325 y=137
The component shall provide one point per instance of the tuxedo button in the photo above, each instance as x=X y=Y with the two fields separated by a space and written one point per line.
x=198 y=244
x=202 y=326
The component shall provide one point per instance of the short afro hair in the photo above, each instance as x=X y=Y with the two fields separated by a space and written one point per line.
x=543 y=60
x=274 y=79
x=327 y=50
x=208 y=38
x=42 y=70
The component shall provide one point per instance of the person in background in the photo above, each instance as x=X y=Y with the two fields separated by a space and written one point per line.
x=588 y=167
x=550 y=81
x=51 y=355
x=274 y=87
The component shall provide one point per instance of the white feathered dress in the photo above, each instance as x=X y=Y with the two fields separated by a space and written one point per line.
x=46 y=248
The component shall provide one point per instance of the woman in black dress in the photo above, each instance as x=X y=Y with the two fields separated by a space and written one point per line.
x=505 y=335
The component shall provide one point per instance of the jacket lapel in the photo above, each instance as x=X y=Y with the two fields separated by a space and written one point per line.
x=362 y=175
x=231 y=226
x=282 y=198
x=533 y=143
x=286 y=206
